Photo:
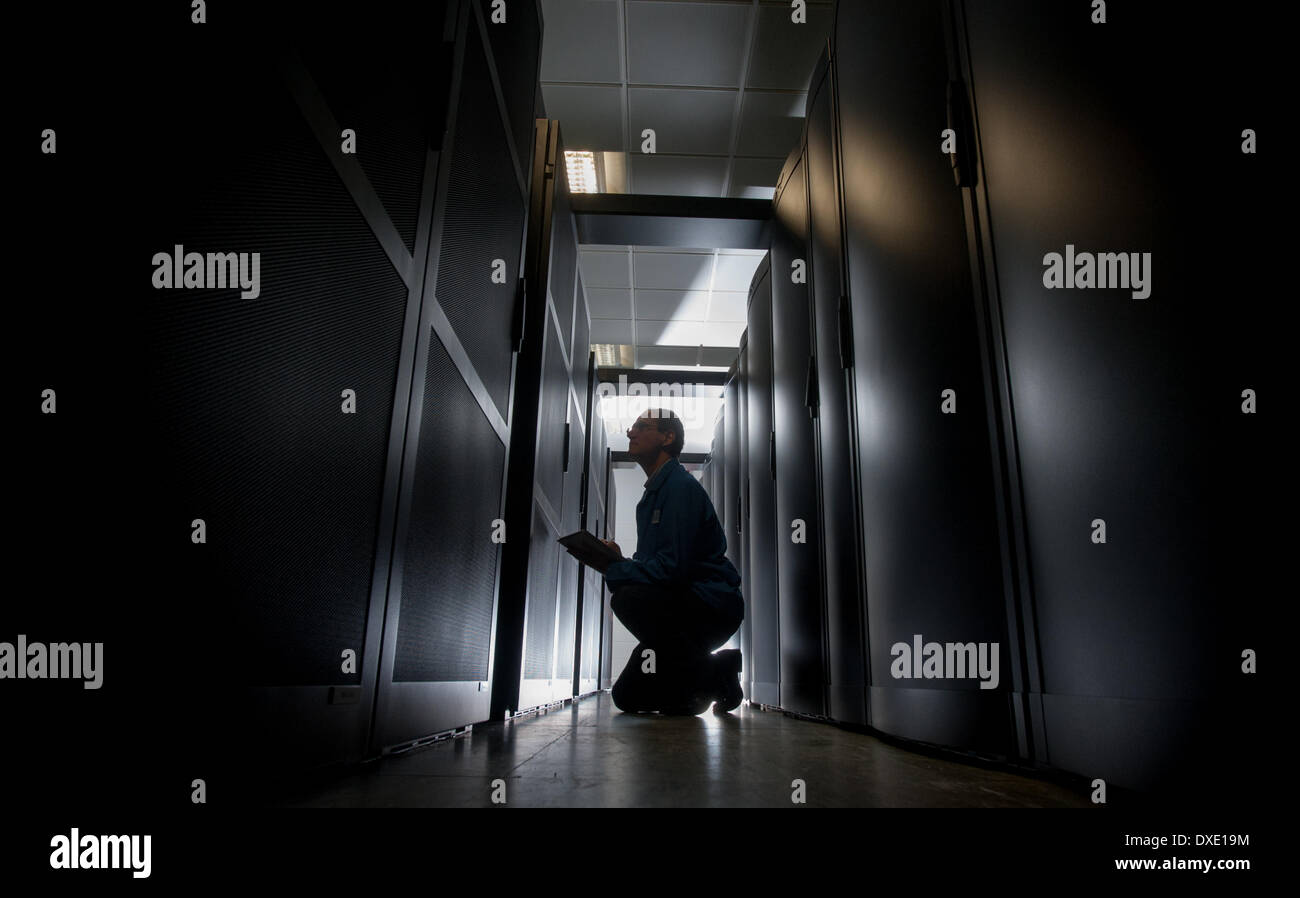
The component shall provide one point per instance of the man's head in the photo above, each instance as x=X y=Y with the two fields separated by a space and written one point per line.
x=657 y=430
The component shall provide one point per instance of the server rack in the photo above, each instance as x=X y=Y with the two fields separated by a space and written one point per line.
x=351 y=555
x=800 y=595
x=439 y=625
x=836 y=455
x=542 y=581
x=1119 y=408
x=606 y=473
x=926 y=490
x=731 y=514
x=762 y=611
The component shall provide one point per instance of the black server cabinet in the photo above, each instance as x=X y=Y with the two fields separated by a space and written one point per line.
x=294 y=422
x=762 y=610
x=798 y=524
x=540 y=582
x=586 y=679
x=600 y=522
x=569 y=601
x=931 y=545
x=712 y=468
x=836 y=458
x=724 y=491
x=606 y=475
x=587 y=675
x=1126 y=406
x=746 y=550
x=436 y=663
x=718 y=456
x=733 y=414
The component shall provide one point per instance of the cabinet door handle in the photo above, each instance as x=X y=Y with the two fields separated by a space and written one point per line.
x=846 y=333
x=517 y=323
x=959 y=122
x=810 y=387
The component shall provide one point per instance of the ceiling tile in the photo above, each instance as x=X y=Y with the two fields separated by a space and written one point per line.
x=735 y=273
x=580 y=40
x=611 y=330
x=605 y=270
x=785 y=52
x=591 y=118
x=770 y=124
x=673 y=271
x=688 y=333
x=684 y=121
x=701 y=44
x=667 y=305
x=676 y=175
x=609 y=303
x=728 y=306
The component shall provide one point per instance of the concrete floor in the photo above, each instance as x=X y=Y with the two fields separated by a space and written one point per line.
x=589 y=754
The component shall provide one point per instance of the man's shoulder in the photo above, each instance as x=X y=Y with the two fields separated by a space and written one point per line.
x=683 y=482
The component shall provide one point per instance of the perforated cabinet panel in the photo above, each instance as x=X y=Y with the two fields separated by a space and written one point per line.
x=572 y=516
x=515 y=49
x=246 y=392
x=581 y=341
x=387 y=115
x=564 y=257
x=590 y=625
x=543 y=568
x=568 y=616
x=571 y=521
x=448 y=577
x=550 y=426
x=484 y=221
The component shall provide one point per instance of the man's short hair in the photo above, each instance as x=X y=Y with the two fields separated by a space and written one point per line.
x=667 y=422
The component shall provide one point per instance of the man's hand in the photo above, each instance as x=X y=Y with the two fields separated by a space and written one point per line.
x=613 y=545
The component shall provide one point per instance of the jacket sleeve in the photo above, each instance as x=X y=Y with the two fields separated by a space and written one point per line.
x=680 y=523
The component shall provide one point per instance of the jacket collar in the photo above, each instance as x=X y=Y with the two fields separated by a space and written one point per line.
x=662 y=474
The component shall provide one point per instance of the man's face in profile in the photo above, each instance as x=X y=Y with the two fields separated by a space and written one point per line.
x=643 y=438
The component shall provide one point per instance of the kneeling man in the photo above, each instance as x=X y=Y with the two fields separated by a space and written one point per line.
x=678 y=595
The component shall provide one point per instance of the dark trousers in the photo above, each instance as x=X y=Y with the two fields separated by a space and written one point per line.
x=683 y=630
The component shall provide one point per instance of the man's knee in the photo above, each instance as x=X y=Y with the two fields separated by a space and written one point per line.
x=627 y=693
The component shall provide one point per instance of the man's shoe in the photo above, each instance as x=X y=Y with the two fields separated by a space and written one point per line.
x=729 y=694
x=697 y=704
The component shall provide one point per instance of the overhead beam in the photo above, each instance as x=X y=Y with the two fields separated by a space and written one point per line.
x=689 y=221
x=662 y=375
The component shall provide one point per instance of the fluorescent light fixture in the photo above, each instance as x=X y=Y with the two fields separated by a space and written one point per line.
x=581 y=165
x=680 y=368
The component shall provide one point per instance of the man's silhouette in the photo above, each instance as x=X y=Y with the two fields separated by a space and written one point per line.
x=678 y=595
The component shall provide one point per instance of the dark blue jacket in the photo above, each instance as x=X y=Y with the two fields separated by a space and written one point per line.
x=680 y=543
